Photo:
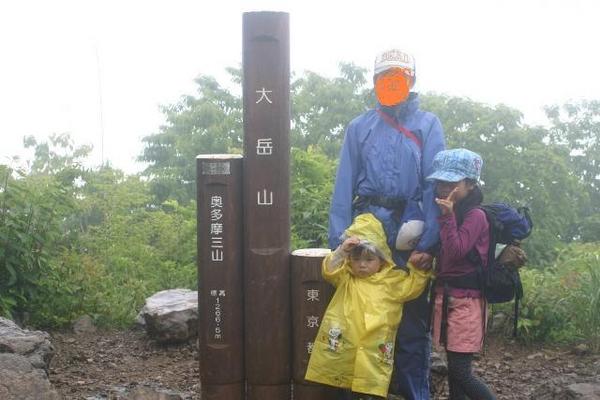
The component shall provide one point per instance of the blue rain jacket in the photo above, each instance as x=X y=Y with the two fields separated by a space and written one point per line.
x=377 y=160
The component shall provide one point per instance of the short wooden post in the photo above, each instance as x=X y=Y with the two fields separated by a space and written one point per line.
x=310 y=297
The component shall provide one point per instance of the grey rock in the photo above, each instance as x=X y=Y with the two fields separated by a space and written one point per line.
x=34 y=345
x=438 y=364
x=19 y=380
x=153 y=394
x=498 y=323
x=535 y=355
x=140 y=393
x=581 y=349
x=595 y=368
x=584 y=391
x=568 y=387
x=172 y=315
x=439 y=374
x=140 y=322
x=84 y=325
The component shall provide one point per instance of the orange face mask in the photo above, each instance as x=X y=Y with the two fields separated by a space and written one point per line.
x=392 y=87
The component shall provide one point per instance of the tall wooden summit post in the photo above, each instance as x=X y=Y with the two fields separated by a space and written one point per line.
x=266 y=92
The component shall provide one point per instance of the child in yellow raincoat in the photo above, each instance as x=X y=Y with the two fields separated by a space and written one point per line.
x=354 y=348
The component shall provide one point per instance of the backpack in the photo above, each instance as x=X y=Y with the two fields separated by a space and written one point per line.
x=508 y=226
x=498 y=283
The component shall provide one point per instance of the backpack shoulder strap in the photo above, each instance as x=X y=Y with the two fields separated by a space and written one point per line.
x=492 y=234
x=473 y=255
x=390 y=121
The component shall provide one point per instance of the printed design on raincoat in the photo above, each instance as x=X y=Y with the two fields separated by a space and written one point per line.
x=387 y=352
x=354 y=347
x=334 y=339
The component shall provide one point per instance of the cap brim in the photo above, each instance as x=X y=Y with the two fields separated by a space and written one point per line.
x=379 y=70
x=445 y=176
x=384 y=68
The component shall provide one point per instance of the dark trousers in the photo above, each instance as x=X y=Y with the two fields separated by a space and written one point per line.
x=463 y=384
x=413 y=351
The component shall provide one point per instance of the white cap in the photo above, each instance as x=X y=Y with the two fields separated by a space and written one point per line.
x=394 y=58
x=409 y=234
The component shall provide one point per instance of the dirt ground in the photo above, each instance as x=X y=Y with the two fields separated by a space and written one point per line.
x=106 y=365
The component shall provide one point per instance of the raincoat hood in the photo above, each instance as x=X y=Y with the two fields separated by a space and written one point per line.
x=370 y=231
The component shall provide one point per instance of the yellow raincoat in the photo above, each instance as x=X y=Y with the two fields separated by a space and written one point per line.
x=354 y=347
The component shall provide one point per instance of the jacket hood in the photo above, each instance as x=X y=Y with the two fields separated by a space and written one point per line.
x=368 y=229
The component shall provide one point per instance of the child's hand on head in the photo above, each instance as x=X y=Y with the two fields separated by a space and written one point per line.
x=447 y=205
x=350 y=243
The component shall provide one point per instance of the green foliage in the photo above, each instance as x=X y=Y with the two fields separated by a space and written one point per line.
x=30 y=231
x=561 y=303
x=520 y=168
x=211 y=122
x=322 y=107
x=312 y=182
x=207 y=124
x=577 y=127
x=126 y=251
x=58 y=157
x=590 y=228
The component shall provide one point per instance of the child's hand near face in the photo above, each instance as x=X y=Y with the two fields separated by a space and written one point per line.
x=447 y=205
x=342 y=252
x=349 y=244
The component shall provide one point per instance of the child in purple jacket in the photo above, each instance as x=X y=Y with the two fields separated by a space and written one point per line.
x=459 y=314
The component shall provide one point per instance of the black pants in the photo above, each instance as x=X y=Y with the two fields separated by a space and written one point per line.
x=461 y=381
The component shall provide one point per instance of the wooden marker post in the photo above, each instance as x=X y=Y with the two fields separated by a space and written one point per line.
x=310 y=296
x=266 y=90
x=220 y=297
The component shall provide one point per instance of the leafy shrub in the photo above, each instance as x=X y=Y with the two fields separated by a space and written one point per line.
x=30 y=231
x=312 y=182
x=561 y=303
x=118 y=263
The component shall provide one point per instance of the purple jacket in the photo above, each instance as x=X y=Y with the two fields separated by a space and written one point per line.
x=456 y=244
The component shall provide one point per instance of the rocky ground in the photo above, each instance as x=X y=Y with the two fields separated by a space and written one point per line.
x=515 y=371
x=106 y=365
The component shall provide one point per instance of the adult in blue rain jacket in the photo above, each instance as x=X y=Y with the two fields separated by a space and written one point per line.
x=386 y=155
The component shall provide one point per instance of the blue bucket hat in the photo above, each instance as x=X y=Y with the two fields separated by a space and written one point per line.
x=455 y=165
